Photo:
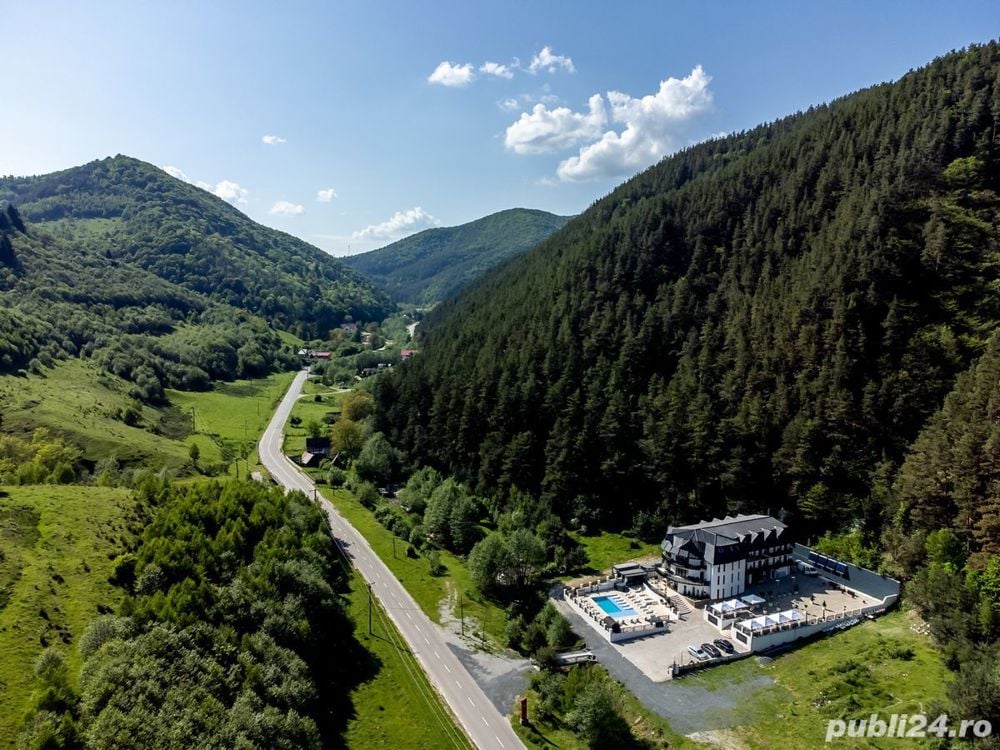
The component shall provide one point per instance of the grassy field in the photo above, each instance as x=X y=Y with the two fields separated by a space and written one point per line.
x=79 y=400
x=229 y=419
x=308 y=409
x=607 y=548
x=414 y=573
x=56 y=549
x=388 y=703
x=880 y=666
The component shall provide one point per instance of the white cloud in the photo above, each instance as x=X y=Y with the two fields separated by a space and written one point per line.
x=272 y=140
x=547 y=129
x=618 y=134
x=229 y=191
x=452 y=74
x=652 y=126
x=513 y=103
x=326 y=195
x=496 y=69
x=286 y=208
x=175 y=172
x=401 y=223
x=549 y=62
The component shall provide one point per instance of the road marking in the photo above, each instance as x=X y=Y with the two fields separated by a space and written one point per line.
x=499 y=740
x=408 y=617
x=448 y=668
x=427 y=641
x=459 y=684
x=469 y=698
x=483 y=718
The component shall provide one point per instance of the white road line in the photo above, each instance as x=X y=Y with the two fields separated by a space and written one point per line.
x=449 y=669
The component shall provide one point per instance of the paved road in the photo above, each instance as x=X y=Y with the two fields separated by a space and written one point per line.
x=483 y=724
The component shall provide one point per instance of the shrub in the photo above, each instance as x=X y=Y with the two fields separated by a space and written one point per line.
x=437 y=568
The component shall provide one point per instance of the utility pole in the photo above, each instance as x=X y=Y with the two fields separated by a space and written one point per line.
x=370 y=609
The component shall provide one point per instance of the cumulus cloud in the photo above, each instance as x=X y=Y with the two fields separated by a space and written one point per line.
x=287 y=208
x=451 y=74
x=496 y=69
x=651 y=126
x=398 y=225
x=272 y=140
x=547 y=61
x=326 y=195
x=545 y=129
x=176 y=172
x=229 y=191
x=618 y=133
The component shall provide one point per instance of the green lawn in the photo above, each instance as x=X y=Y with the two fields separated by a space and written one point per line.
x=230 y=418
x=607 y=548
x=414 y=573
x=395 y=708
x=57 y=544
x=308 y=409
x=79 y=400
x=880 y=666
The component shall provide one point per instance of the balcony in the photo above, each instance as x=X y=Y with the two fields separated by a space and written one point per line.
x=682 y=575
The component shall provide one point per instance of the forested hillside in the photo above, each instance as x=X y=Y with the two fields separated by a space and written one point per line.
x=131 y=211
x=760 y=322
x=58 y=300
x=435 y=264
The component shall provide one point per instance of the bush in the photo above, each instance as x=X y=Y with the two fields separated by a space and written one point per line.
x=514 y=632
x=367 y=494
x=336 y=477
x=437 y=568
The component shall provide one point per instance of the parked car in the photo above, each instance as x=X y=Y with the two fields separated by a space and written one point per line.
x=697 y=653
x=725 y=645
x=711 y=650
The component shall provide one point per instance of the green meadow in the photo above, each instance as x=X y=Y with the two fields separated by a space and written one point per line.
x=82 y=402
x=385 y=704
x=57 y=544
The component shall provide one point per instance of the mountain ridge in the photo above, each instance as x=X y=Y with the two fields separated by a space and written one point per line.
x=763 y=320
x=134 y=211
x=434 y=264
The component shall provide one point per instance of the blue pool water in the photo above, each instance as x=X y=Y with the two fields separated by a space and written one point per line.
x=611 y=607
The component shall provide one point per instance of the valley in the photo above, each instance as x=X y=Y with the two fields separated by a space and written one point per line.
x=705 y=454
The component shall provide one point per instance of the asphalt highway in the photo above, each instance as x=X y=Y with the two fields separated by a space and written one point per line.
x=483 y=724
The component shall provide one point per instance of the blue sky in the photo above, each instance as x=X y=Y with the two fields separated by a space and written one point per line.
x=358 y=101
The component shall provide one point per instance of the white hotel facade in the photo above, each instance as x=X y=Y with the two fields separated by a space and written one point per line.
x=718 y=559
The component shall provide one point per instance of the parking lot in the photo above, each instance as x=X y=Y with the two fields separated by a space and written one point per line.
x=654 y=655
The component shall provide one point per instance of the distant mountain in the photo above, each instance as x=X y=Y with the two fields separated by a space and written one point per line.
x=59 y=300
x=129 y=210
x=434 y=264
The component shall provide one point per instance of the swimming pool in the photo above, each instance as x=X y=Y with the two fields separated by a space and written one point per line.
x=613 y=608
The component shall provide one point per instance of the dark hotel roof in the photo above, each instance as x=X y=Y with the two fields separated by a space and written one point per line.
x=724 y=540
